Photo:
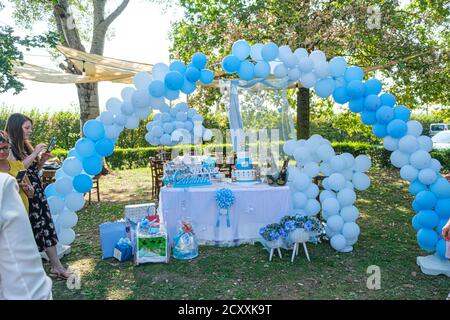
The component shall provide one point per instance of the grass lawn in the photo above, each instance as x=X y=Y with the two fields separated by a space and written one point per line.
x=387 y=240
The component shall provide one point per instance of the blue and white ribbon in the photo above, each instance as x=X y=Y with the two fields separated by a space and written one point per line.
x=224 y=199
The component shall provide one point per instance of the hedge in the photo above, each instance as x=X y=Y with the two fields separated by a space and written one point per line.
x=139 y=157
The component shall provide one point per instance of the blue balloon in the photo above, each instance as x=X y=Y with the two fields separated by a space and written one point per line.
x=231 y=64
x=385 y=114
x=166 y=139
x=379 y=130
x=416 y=207
x=441 y=248
x=192 y=74
x=353 y=73
x=94 y=130
x=416 y=225
x=442 y=208
x=85 y=147
x=174 y=80
x=172 y=94
x=269 y=52
x=387 y=99
x=371 y=102
x=156 y=89
x=337 y=66
x=356 y=105
x=199 y=61
x=426 y=199
x=241 y=49
x=73 y=153
x=262 y=69
x=397 y=128
x=355 y=89
x=51 y=192
x=178 y=66
x=104 y=147
x=246 y=70
x=428 y=219
x=188 y=87
x=441 y=188
x=416 y=186
x=402 y=113
x=206 y=76
x=324 y=87
x=427 y=239
x=340 y=96
x=368 y=117
x=372 y=86
x=82 y=183
x=92 y=165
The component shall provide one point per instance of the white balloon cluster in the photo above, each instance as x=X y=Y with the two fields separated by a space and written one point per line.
x=344 y=174
x=180 y=124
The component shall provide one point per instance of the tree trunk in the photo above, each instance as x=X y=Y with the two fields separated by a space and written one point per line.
x=303 y=111
x=89 y=103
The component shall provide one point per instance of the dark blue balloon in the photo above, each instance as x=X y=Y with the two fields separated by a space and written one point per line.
x=231 y=64
x=402 y=113
x=94 y=130
x=427 y=239
x=356 y=105
x=355 y=89
x=192 y=74
x=397 y=128
x=188 y=87
x=199 y=60
x=416 y=186
x=368 y=117
x=92 y=165
x=441 y=188
x=104 y=147
x=443 y=208
x=206 y=76
x=82 y=183
x=385 y=114
x=174 y=80
x=246 y=71
x=353 y=73
x=262 y=69
x=379 y=130
x=341 y=97
x=372 y=86
x=428 y=218
x=85 y=147
x=178 y=66
x=426 y=199
x=416 y=225
x=387 y=99
x=371 y=102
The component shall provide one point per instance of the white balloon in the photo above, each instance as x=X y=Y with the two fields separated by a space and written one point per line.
x=425 y=143
x=414 y=128
x=74 y=201
x=408 y=144
x=337 y=181
x=67 y=219
x=63 y=185
x=142 y=80
x=361 y=181
x=390 y=144
x=362 y=163
x=66 y=236
x=132 y=122
x=159 y=71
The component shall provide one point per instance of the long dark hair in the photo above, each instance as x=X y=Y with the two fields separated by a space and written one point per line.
x=19 y=146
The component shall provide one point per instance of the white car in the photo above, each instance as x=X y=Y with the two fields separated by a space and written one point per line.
x=441 y=140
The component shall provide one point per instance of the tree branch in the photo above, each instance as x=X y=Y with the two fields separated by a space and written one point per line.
x=115 y=13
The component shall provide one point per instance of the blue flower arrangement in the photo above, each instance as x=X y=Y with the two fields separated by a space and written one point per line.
x=288 y=224
x=224 y=198
x=272 y=232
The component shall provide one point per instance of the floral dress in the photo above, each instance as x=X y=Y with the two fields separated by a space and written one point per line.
x=39 y=213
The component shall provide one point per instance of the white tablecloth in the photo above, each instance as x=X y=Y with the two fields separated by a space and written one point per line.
x=254 y=207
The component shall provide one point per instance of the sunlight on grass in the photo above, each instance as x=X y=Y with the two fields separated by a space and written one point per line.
x=118 y=294
x=83 y=266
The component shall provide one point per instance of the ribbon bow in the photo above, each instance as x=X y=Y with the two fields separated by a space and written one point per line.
x=224 y=199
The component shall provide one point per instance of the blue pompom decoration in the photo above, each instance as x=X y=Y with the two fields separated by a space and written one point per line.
x=224 y=198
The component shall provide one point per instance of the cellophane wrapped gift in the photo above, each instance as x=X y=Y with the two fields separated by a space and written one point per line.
x=123 y=250
x=185 y=242
x=151 y=242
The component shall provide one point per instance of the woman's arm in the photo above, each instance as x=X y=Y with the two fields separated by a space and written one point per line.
x=29 y=160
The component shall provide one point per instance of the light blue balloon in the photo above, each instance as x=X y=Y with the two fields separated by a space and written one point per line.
x=340 y=95
x=63 y=185
x=206 y=76
x=56 y=204
x=353 y=73
x=269 y=52
x=174 y=80
x=156 y=89
x=337 y=66
x=74 y=201
x=178 y=66
x=166 y=139
x=181 y=116
x=172 y=94
x=246 y=71
x=140 y=99
x=256 y=51
x=231 y=64
x=94 y=130
x=92 y=165
x=199 y=61
x=324 y=87
x=192 y=74
x=191 y=113
x=188 y=125
x=157 y=131
x=397 y=128
x=72 y=166
x=420 y=159
x=241 y=49
x=104 y=147
x=441 y=188
x=51 y=192
x=262 y=69
x=168 y=127
x=82 y=183
x=85 y=147
x=196 y=118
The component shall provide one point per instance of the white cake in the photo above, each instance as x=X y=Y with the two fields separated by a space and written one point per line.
x=244 y=171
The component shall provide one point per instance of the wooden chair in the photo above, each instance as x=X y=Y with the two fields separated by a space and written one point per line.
x=48 y=177
x=96 y=181
x=157 y=172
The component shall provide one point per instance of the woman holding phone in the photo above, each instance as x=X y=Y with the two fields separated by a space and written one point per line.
x=19 y=128
x=16 y=169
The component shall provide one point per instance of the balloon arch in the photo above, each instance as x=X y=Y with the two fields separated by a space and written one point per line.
x=410 y=149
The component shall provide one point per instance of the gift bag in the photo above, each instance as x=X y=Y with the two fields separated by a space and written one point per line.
x=185 y=242
x=123 y=250
x=110 y=234
x=135 y=213
x=151 y=243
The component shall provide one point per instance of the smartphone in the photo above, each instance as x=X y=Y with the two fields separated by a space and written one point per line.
x=51 y=145
x=20 y=175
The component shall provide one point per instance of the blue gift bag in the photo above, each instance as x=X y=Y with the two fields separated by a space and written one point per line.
x=122 y=250
x=110 y=234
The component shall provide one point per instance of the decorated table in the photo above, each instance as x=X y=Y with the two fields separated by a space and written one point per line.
x=255 y=206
